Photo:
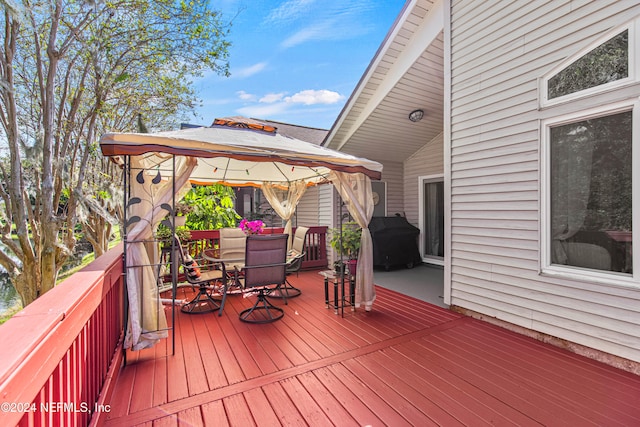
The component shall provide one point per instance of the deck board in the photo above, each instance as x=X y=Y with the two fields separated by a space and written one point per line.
x=406 y=362
x=359 y=414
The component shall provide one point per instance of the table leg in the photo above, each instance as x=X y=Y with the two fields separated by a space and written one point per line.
x=343 y=296
x=352 y=293
x=335 y=294
x=326 y=291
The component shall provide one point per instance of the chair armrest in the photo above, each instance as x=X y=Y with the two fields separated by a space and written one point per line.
x=295 y=256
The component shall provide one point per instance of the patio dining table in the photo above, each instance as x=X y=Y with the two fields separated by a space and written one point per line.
x=210 y=255
x=233 y=273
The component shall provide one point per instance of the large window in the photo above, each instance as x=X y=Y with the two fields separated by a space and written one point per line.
x=590 y=191
x=590 y=162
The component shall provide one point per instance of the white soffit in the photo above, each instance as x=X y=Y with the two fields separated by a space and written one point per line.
x=405 y=74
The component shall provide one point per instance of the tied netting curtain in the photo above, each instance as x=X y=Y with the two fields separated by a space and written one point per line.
x=149 y=190
x=355 y=190
x=571 y=163
x=284 y=202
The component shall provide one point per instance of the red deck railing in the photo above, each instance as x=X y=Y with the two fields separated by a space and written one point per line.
x=62 y=350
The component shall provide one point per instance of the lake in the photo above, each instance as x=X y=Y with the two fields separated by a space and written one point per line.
x=8 y=295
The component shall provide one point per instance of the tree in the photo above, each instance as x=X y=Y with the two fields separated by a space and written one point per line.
x=212 y=207
x=71 y=71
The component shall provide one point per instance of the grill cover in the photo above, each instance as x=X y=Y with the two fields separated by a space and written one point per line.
x=394 y=242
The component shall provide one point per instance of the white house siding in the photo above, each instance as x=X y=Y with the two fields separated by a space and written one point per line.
x=392 y=175
x=326 y=205
x=499 y=49
x=308 y=208
x=425 y=162
x=326 y=212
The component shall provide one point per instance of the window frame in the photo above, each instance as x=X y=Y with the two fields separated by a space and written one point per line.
x=571 y=272
x=633 y=27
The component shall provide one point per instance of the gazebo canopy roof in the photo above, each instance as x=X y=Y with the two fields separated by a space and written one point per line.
x=239 y=154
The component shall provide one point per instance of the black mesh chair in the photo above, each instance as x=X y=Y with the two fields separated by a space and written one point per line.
x=208 y=279
x=264 y=271
x=295 y=256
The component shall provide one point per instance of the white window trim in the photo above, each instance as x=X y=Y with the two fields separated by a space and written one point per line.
x=634 y=65
x=577 y=273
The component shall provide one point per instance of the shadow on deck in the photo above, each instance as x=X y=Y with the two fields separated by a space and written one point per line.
x=407 y=362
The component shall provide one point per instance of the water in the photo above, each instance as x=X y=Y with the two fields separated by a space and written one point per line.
x=8 y=295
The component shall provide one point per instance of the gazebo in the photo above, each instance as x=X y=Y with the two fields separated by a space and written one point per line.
x=159 y=169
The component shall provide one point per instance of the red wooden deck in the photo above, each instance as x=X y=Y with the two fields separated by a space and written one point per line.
x=406 y=362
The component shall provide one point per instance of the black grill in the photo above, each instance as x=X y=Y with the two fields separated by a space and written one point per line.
x=394 y=242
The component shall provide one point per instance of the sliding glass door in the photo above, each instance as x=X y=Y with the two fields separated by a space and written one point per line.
x=432 y=220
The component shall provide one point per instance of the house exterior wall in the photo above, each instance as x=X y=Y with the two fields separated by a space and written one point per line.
x=392 y=175
x=308 y=208
x=499 y=50
x=326 y=206
x=326 y=213
x=427 y=161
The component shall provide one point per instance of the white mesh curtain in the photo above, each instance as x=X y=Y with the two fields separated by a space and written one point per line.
x=147 y=320
x=572 y=161
x=355 y=190
x=284 y=202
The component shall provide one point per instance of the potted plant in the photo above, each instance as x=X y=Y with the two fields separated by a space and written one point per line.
x=164 y=235
x=251 y=227
x=182 y=209
x=346 y=240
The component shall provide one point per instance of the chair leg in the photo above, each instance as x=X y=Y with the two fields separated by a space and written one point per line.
x=290 y=290
x=262 y=311
x=287 y=290
x=202 y=303
x=234 y=285
x=225 y=285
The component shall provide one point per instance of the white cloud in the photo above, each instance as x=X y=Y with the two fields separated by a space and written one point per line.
x=317 y=31
x=249 y=71
x=273 y=105
x=288 y=11
x=311 y=97
x=245 y=96
x=270 y=98
x=263 y=111
x=326 y=20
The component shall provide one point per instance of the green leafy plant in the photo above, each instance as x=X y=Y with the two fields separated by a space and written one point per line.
x=346 y=240
x=211 y=207
x=183 y=208
x=164 y=234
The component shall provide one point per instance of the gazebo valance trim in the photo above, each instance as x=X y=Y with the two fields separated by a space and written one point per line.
x=268 y=156
x=136 y=150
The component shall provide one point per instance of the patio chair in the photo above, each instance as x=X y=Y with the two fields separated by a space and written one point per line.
x=588 y=255
x=264 y=271
x=295 y=256
x=232 y=247
x=207 y=278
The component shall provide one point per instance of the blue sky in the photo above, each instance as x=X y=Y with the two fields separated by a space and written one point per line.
x=294 y=61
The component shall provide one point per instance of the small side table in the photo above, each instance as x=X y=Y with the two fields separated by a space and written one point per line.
x=340 y=298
